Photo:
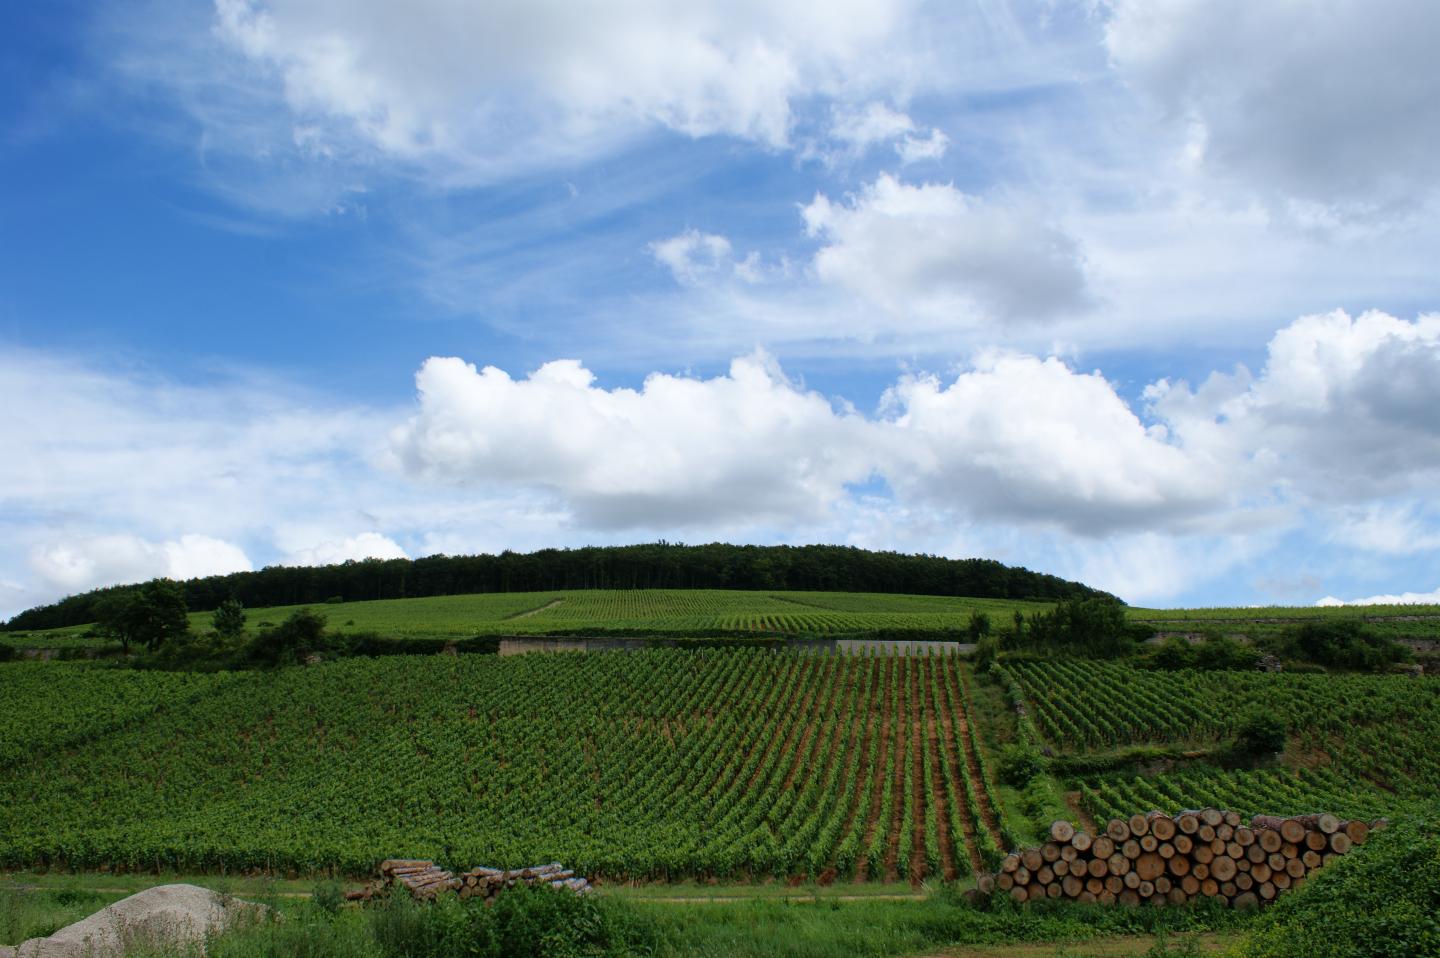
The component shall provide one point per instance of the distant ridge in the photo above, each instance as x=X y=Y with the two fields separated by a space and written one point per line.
x=660 y=565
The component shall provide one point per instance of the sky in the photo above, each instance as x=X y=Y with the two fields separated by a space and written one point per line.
x=1137 y=292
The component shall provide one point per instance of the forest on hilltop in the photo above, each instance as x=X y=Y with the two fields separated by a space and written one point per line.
x=658 y=565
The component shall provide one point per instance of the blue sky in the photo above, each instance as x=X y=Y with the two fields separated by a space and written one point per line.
x=1142 y=294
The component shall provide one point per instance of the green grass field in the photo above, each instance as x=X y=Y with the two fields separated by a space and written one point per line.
x=716 y=611
x=644 y=611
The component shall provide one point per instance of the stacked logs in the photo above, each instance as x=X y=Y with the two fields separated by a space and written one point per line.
x=1159 y=858
x=488 y=882
x=424 y=880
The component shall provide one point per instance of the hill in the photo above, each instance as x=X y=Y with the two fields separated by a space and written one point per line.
x=657 y=566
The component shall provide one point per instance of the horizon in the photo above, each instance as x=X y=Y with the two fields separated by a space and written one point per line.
x=1141 y=297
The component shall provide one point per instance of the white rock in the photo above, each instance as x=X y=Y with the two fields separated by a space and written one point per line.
x=163 y=915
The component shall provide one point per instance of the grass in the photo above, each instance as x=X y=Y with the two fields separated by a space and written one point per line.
x=645 y=610
x=938 y=924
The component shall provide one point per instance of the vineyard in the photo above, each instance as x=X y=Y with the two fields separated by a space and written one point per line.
x=657 y=765
x=1360 y=744
x=642 y=611
x=729 y=763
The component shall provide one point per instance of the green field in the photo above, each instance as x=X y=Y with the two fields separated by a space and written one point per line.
x=642 y=611
x=721 y=612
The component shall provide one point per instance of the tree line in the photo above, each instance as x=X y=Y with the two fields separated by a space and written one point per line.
x=659 y=565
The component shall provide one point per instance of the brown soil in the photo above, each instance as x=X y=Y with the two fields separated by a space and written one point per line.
x=1072 y=801
x=877 y=777
x=972 y=765
x=933 y=730
x=862 y=769
x=902 y=753
x=947 y=726
x=917 y=798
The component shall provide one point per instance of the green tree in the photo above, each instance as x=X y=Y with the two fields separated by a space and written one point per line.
x=1261 y=733
x=150 y=615
x=979 y=626
x=229 y=619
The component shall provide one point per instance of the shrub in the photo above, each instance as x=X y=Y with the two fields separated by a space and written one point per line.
x=291 y=641
x=1345 y=644
x=328 y=897
x=1019 y=764
x=7 y=652
x=1383 y=899
x=1261 y=733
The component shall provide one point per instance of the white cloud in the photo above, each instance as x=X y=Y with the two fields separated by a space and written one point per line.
x=1343 y=411
x=1403 y=598
x=930 y=146
x=366 y=545
x=749 y=445
x=1336 y=104
x=442 y=79
x=1024 y=438
x=75 y=565
x=935 y=254
x=694 y=257
x=1391 y=529
x=863 y=127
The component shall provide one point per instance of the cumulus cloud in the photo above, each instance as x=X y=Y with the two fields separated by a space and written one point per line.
x=747 y=445
x=490 y=83
x=1335 y=104
x=1032 y=439
x=1343 y=410
x=366 y=545
x=933 y=251
x=1403 y=598
x=75 y=565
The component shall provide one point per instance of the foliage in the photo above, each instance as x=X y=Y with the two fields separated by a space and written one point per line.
x=1260 y=733
x=229 y=619
x=150 y=615
x=8 y=652
x=1092 y=625
x=1019 y=764
x=650 y=764
x=290 y=642
x=1345 y=644
x=1215 y=653
x=1382 y=900
x=1375 y=727
x=979 y=626
x=660 y=565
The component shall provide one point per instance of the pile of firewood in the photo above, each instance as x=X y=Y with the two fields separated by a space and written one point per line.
x=424 y=879
x=1205 y=853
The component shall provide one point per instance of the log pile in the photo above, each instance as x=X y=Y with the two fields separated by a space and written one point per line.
x=1159 y=858
x=424 y=880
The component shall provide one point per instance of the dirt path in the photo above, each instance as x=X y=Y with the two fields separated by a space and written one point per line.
x=1207 y=944
x=536 y=611
x=972 y=766
x=947 y=728
x=1072 y=801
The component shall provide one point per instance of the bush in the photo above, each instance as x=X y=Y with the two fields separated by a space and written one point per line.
x=291 y=641
x=1382 y=899
x=1260 y=734
x=328 y=897
x=7 y=652
x=522 y=923
x=1344 y=644
x=986 y=651
x=1018 y=765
